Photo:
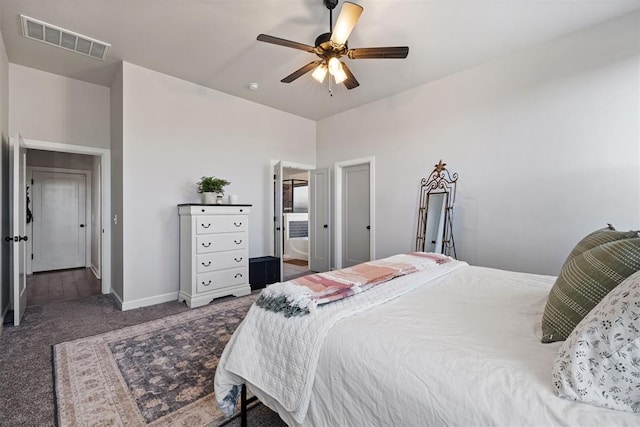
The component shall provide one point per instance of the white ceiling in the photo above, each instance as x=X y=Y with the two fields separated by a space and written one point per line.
x=213 y=42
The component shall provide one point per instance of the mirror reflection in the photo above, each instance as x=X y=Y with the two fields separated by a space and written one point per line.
x=434 y=227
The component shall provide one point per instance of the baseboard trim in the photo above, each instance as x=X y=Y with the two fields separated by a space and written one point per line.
x=95 y=271
x=118 y=299
x=145 y=302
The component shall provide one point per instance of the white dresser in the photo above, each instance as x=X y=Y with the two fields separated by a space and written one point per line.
x=214 y=252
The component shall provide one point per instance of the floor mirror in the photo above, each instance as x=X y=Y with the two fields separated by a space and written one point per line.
x=435 y=212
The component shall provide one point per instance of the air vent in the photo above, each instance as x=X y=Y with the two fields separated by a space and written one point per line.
x=56 y=36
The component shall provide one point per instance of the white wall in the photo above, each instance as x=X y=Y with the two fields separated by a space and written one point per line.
x=4 y=179
x=116 y=117
x=49 y=107
x=174 y=132
x=546 y=142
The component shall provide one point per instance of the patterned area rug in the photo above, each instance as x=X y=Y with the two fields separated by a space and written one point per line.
x=158 y=373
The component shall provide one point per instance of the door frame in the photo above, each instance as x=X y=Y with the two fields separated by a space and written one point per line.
x=337 y=228
x=104 y=154
x=288 y=165
x=87 y=209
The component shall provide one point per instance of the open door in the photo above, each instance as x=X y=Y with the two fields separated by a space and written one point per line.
x=17 y=185
x=277 y=215
x=319 y=220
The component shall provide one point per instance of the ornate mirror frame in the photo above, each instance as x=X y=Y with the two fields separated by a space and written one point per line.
x=439 y=182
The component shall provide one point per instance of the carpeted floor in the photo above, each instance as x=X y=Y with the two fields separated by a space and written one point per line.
x=26 y=371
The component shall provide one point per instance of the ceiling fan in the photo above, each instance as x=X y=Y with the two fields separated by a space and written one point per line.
x=332 y=46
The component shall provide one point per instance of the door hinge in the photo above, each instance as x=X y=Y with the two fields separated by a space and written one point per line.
x=32 y=182
x=274 y=176
x=31 y=256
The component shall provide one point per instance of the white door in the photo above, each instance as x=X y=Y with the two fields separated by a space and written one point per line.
x=278 y=235
x=355 y=215
x=319 y=220
x=17 y=185
x=59 y=215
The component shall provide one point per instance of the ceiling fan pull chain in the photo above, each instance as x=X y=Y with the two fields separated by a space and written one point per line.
x=330 y=82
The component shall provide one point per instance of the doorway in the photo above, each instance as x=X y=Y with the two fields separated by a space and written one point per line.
x=355 y=212
x=95 y=165
x=295 y=222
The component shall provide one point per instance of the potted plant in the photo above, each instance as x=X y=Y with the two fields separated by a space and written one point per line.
x=211 y=188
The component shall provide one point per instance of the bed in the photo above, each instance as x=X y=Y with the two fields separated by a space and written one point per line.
x=461 y=348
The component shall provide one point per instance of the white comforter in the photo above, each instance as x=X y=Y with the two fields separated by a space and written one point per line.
x=464 y=351
x=279 y=354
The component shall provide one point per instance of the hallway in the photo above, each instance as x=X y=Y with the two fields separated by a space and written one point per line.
x=63 y=285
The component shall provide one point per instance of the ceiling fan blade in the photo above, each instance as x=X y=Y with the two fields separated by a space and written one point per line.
x=283 y=42
x=399 y=52
x=301 y=71
x=349 y=15
x=350 y=82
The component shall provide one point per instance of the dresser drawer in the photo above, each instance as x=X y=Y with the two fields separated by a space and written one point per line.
x=221 y=279
x=206 y=243
x=221 y=224
x=220 y=261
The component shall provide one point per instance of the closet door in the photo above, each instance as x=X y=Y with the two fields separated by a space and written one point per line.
x=356 y=227
x=319 y=220
x=277 y=215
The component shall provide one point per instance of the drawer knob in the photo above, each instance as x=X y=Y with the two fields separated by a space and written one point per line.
x=237 y=275
x=238 y=259
x=207 y=245
x=206 y=226
x=241 y=210
x=237 y=224
x=237 y=242
x=207 y=284
x=207 y=264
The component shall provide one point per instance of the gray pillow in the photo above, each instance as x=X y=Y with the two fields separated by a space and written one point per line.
x=583 y=281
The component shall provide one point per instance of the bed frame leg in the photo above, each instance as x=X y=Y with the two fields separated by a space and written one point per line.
x=243 y=406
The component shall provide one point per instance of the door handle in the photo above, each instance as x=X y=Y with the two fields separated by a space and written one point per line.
x=16 y=238
x=368 y=227
x=325 y=226
x=81 y=225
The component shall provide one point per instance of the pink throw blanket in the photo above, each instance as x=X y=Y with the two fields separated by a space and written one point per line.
x=302 y=295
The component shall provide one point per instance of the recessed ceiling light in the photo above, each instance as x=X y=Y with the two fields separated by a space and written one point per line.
x=52 y=35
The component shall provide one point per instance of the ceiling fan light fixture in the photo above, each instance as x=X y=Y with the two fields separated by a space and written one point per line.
x=340 y=76
x=334 y=66
x=319 y=73
x=349 y=15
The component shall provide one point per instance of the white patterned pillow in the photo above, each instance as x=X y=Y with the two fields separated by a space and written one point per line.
x=599 y=363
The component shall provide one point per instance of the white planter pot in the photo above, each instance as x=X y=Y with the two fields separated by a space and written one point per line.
x=209 y=198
